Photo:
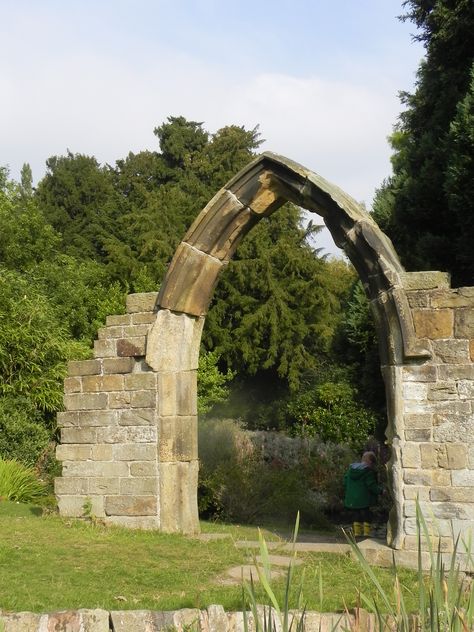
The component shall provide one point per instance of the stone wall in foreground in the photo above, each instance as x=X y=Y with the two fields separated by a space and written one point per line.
x=213 y=619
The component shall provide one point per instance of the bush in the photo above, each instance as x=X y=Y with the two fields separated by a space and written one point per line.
x=252 y=476
x=19 y=483
x=23 y=434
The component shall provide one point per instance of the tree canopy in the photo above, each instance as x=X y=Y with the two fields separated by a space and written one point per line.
x=426 y=206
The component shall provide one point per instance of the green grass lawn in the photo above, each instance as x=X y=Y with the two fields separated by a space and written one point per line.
x=49 y=563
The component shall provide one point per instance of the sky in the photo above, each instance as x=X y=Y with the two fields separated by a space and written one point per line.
x=319 y=77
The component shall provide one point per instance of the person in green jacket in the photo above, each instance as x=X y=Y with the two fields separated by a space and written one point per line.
x=361 y=490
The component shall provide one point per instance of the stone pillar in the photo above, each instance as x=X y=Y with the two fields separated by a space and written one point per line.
x=436 y=436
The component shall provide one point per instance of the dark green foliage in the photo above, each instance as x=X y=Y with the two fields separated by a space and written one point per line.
x=426 y=206
x=331 y=410
x=23 y=434
x=78 y=199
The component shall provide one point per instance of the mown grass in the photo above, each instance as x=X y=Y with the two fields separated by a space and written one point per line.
x=48 y=563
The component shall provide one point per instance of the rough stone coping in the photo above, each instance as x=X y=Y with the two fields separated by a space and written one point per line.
x=213 y=619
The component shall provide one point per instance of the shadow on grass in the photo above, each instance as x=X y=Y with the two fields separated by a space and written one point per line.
x=14 y=509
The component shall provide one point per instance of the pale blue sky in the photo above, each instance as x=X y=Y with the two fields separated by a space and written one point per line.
x=320 y=78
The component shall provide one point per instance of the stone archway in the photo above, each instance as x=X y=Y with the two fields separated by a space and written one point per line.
x=129 y=433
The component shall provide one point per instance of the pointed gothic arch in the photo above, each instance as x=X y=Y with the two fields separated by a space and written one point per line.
x=129 y=432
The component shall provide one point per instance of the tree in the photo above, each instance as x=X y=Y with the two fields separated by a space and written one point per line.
x=415 y=206
x=77 y=197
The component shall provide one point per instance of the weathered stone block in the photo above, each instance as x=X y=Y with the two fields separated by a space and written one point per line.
x=459 y=297
x=457 y=456
x=104 y=485
x=177 y=394
x=118 y=365
x=122 y=319
x=178 y=439
x=419 y=421
x=453 y=428
x=110 y=332
x=436 y=528
x=452 y=494
x=411 y=455
x=102 y=452
x=456 y=372
x=85 y=401
x=102 y=383
x=452 y=351
x=87 y=418
x=134 y=452
x=75 y=506
x=140 y=381
x=137 y=417
x=73 y=452
x=412 y=492
x=66 y=621
x=190 y=281
x=134 y=522
x=415 y=390
x=463 y=478
x=142 y=302
x=67 y=419
x=131 y=347
x=466 y=389
x=143 y=468
x=139 y=486
x=127 y=434
x=433 y=324
x=71 y=485
x=260 y=190
x=441 y=477
x=418 y=299
x=415 y=476
x=419 y=373
x=464 y=323
x=135 y=331
x=130 y=505
x=143 y=399
x=84 y=367
x=178 y=500
x=433 y=455
x=72 y=385
x=442 y=391
x=120 y=399
x=143 y=318
x=108 y=469
x=425 y=280
x=105 y=348
x=471 y=349
x=418 y=434
x=173 y=342
x=220 y=227
x=78 y=435
x=445 y=544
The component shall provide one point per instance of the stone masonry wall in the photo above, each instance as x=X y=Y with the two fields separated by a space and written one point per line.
x=109 y=430
x=437 y=399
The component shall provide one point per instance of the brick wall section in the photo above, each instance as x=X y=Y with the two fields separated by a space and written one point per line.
x=109 y=430
x=437 y=446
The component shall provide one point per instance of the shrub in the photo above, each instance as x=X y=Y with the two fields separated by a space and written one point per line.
x=23 y=435
x=250 y=476
x=19 y=483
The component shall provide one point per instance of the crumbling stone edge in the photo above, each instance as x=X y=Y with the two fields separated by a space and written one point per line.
x=212 y=619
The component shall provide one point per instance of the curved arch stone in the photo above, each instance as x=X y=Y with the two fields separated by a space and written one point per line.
x=130 y=428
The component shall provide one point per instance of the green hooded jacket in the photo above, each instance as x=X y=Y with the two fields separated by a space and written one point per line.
x=360 y=486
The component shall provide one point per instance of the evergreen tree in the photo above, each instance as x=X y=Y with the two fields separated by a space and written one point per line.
x=417 y=206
